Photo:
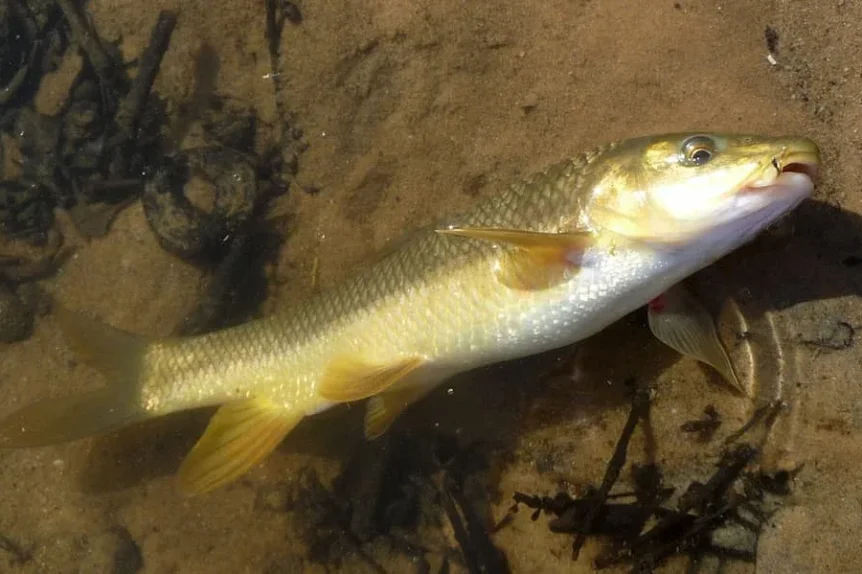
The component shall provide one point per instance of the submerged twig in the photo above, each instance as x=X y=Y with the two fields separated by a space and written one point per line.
x=128 y=117
x=479 y=552
x=767 y=413
x=129 y=113
x=676 y=530
x=88 y=40
x=729 y=500
x=640 y=404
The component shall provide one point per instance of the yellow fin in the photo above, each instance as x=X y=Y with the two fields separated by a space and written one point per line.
x=349 y=378
x=240 y=434
x=539 y=261
x=680 y=321
x=382 y=410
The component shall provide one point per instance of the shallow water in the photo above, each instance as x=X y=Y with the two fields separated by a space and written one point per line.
x=412 y=111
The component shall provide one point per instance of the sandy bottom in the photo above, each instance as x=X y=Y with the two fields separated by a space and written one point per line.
x=414 y=110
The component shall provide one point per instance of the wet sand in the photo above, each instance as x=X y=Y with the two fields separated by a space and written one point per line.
x=415 y=110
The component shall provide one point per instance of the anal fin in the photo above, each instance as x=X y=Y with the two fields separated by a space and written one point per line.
x=382 y=410
x=349 y=378
x=537 y=260
x=239 y=435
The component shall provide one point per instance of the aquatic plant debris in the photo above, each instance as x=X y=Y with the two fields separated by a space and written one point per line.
x=32 y=41
x=105 y=149
x=398 y=497
x=131 y=109
x=730 y=499
x=87 y=157
x=640 y=406
x=705 y=427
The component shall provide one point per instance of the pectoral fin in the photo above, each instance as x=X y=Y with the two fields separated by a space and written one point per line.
x=382 y=410
x=350 y=378
x=538 y=261
x=681 y=322
x=239 y=435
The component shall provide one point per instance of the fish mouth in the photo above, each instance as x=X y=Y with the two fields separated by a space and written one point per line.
x=795 y=167
x=788 y=180
x=810 y=168
x=802 y=156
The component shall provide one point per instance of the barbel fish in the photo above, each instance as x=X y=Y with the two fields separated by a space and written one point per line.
x=549 y=261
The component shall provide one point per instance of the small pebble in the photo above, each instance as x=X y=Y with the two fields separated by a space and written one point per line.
x=530 y=102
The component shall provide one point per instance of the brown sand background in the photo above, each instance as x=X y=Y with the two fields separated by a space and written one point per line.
x=413 y=110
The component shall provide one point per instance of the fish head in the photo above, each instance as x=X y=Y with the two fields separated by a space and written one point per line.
x=689 y=188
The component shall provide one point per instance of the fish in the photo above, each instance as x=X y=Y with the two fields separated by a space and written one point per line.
x=546 y=262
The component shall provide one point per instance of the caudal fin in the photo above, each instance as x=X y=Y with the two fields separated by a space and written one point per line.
x=117 y=354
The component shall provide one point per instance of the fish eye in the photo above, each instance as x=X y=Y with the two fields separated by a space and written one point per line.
x=698 y=150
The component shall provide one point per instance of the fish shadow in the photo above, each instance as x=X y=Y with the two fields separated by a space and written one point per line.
x=821 y=260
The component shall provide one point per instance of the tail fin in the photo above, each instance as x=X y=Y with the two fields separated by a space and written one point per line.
x=117 y=354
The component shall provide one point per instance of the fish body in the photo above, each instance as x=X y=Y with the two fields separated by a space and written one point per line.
x=438 y=297
x=546 y=263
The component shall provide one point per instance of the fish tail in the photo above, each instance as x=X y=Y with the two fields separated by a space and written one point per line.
x=117 y=354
